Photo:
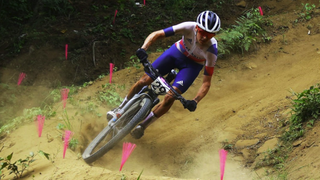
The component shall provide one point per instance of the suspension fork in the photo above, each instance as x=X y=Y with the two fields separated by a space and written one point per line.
x=145 y=91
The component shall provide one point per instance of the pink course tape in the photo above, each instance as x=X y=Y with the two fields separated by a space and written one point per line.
x=223 y=156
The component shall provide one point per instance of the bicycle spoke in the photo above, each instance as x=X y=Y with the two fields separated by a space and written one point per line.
x=116 y=130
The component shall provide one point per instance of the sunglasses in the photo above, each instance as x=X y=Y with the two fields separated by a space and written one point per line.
x=204 y=33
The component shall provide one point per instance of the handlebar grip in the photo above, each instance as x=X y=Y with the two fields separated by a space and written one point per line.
x=183 y=101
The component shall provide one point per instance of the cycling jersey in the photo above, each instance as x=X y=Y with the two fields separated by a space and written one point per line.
x=187 y=55
x=205 y=54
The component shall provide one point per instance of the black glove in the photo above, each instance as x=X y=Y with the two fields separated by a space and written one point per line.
x=191 y=105
x=142 y=55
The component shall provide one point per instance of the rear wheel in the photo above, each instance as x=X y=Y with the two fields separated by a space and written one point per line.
x=115 y=131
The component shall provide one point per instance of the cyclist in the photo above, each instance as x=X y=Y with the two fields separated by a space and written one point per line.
x=196 y=48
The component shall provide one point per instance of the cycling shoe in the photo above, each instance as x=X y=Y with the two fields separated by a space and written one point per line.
x=138 y=132
x=111 y=114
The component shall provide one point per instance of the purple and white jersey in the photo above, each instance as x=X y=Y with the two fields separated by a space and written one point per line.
x=202 y=54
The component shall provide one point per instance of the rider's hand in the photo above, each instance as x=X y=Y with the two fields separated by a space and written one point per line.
x=142 y=55
x=191 y=105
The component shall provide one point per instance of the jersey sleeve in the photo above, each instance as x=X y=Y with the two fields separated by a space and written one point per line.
x=181 y=28
x=168 y=31
x=212 y=54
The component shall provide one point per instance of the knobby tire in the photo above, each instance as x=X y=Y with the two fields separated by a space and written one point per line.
x=90 y=157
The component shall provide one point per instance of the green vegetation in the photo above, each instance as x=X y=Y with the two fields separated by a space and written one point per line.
x=134 y=61
x=305 y=111
x=134 y=24
x=123 y=176
x=307 y=11
x=19 y=166
x=66 y=120
x=73 y=143
x=9 y=101
x=140 y=175
x=28 y=116
x=130 y=23
x=248 y=30
x=110 y=95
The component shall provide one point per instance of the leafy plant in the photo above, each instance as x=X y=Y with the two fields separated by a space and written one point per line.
x=61 y=126
x=140 y=175
x=28 y=116
x=110 y=94
x=134 y=62
x=73 y=143
x=66 y=120
x=242 y=35
x=305 y=109
x=57 y=7
x=307 y=11
x=112 y=98
x=21 y=165
x=226 y=145
x=123 y=177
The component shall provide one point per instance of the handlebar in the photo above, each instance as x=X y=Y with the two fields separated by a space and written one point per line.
x=154 y=74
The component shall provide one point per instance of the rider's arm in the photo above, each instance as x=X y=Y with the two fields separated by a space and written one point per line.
x=206 y=83
x=152 y=38
x=170 y=31
x=208 y=72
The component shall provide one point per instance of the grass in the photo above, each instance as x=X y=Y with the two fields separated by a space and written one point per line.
x=110 y=94
x=66 y=120
x=19 y=166
x=28 y=116
x=305 y=111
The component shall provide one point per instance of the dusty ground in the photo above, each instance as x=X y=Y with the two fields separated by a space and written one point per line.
x=248 y=94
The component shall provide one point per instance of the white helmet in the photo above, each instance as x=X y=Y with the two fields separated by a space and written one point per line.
x=209 y=21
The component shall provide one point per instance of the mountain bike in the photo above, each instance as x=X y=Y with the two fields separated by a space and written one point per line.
x=132 y=113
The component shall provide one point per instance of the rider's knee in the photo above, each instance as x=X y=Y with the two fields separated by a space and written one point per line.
x=168 y=100
x=143 y=81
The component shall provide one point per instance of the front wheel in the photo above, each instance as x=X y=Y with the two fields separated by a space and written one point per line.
x=115 y=131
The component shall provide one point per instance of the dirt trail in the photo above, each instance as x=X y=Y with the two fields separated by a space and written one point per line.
x=181 y=144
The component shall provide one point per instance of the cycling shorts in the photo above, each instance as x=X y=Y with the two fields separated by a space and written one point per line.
x=188 y=69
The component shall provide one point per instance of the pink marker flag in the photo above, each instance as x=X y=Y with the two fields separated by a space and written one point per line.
x=115 y=14
x=40 y=120
x=21 y=77
x=64 y=96
x=126 y=151
x=223 y=156
x=144 y=2
x=67 y=136
x=66 y=53
x=111 y=71
x=260 y=9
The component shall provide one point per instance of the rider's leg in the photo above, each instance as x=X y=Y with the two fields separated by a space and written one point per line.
x=160 y=109
x=143 y=81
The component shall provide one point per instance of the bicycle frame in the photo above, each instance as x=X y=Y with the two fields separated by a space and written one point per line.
x=134 y=111
x=160 y=86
